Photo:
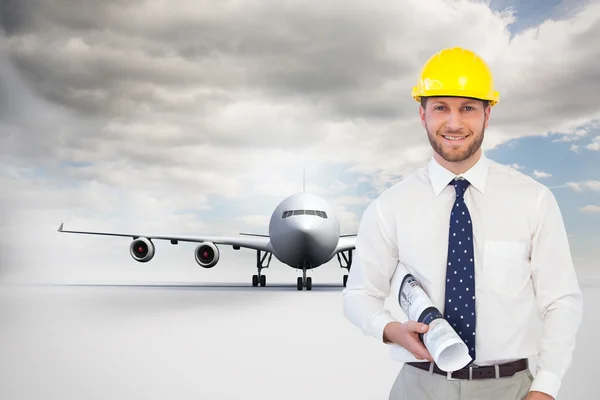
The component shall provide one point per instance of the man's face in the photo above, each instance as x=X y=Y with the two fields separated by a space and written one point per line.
x=455 y=126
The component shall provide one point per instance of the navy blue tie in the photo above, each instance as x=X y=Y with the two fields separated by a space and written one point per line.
x=460 y=270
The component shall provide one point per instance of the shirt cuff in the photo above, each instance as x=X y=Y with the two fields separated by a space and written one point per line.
x=379 y=322
x=546 y=382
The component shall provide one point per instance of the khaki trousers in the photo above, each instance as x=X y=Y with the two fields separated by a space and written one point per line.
x=415 y=384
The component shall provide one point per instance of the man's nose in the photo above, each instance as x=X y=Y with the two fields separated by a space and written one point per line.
x=454 y=122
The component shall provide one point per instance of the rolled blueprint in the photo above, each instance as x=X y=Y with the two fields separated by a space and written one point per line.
x=448 y=350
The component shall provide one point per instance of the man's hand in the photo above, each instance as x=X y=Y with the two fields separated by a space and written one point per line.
x=407 y=335
x=534 y=395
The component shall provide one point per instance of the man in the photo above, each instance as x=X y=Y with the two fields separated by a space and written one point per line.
x=486 y=243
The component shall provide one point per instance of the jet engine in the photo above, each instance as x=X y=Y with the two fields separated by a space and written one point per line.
x=142 y=250
x=206 y=255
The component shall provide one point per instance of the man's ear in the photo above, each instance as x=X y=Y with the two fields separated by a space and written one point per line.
x=486 y=117
x=422 y=115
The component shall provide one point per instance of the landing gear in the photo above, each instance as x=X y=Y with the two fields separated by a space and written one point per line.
x=260 y=278
x=348 y=264
x=304 y=281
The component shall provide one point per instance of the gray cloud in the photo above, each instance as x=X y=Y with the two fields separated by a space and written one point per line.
x=181 y=67
x=109 y=57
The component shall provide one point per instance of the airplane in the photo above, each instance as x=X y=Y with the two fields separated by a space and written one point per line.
x=304 y=233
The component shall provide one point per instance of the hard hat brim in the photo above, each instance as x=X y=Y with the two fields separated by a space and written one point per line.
x=493 y=99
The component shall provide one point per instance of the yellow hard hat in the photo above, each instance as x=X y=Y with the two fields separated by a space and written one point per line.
x=456 y=72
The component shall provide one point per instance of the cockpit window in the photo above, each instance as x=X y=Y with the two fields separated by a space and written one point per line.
x=318 y=213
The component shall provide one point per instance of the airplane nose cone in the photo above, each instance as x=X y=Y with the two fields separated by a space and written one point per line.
x=311 y=244
x=300 y=236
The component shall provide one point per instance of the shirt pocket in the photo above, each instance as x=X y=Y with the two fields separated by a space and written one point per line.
x=506 y=266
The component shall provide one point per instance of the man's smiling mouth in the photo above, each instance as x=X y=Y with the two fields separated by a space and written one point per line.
x=454 y=138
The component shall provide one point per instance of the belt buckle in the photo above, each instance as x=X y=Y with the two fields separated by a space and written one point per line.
x=450 y=378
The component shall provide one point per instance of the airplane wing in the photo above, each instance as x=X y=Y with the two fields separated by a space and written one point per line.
x=345 y=243
x=255 y=242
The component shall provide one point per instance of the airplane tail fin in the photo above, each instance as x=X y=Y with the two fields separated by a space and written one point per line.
x=304 y=181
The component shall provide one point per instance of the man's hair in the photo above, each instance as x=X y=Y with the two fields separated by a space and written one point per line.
x=424 y=101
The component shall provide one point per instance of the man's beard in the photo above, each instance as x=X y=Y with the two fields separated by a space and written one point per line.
x=455 y=155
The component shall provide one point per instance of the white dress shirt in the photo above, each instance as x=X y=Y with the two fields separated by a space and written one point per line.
x=523 y=265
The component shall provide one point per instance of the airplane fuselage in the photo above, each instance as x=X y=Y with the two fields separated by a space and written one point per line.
x=304 y=231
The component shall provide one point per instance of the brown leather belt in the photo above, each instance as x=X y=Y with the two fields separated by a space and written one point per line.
x=477 y=372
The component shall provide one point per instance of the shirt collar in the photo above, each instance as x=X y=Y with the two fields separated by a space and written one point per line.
x=440 y=177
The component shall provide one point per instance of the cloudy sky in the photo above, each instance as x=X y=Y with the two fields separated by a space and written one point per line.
x=199 y=118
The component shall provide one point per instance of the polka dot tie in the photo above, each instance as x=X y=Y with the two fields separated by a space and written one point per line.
x=460 y=270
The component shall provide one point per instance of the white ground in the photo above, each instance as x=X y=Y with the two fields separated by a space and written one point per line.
x=207 y=343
